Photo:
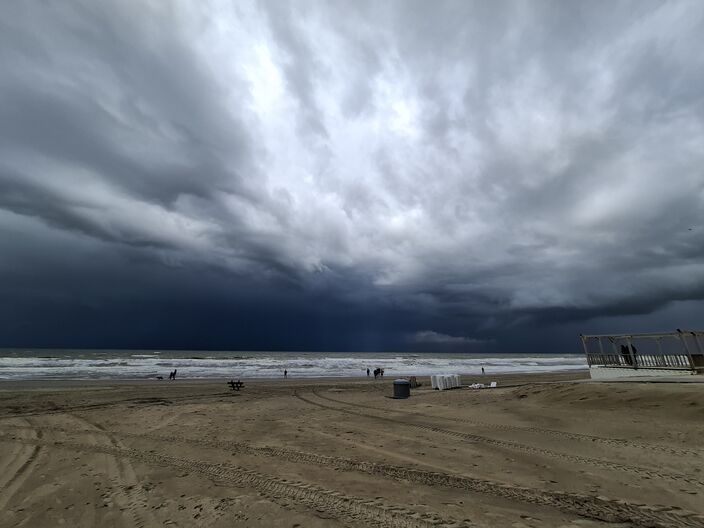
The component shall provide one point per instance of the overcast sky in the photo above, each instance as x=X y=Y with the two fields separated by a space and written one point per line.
x=310 y=175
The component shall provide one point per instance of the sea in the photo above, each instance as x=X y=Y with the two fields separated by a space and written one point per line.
x=27 y=364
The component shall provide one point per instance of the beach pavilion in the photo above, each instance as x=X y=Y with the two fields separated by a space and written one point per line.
x=636 y=355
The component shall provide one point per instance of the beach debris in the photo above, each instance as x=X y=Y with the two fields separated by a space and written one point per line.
x=492 y=385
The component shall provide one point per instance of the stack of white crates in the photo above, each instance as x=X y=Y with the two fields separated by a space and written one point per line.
x=442 y=382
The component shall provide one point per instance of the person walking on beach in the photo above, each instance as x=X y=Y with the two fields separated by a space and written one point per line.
x=367 y=372
x=482 y=371
x=285 y=373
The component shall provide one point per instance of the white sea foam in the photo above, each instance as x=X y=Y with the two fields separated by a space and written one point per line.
x=66 y=364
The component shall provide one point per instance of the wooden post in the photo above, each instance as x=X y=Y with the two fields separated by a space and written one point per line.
x=662 y=362
x=616 y=352
x=699 y=348
x=686 y=349
x=586 y=351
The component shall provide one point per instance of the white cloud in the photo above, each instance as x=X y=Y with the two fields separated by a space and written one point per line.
x=490 y=159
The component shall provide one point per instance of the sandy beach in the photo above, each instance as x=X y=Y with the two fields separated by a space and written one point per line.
x=540 y=450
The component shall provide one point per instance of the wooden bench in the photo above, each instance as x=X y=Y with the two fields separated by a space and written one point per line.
x=236 y=385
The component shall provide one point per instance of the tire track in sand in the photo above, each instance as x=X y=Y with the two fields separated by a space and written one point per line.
x=346 y=508
x=639 y=471
x=599 y=508
x=611 y=442
x=19 y=468
x=122 y=476
x=101 y=405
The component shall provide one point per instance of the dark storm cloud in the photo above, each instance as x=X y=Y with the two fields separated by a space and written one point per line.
x=325 y=175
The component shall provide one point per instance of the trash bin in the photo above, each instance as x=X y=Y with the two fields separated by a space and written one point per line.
x=402 y=389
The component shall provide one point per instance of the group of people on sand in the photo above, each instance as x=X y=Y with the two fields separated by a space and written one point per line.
x=377 y=372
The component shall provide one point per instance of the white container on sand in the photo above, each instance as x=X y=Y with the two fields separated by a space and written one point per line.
x=444 y=382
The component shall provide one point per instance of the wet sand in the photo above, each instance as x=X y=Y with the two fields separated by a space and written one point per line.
x=540 y=450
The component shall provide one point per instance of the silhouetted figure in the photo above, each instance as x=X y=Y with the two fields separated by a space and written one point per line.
x=482 y=371
x=626 y=355
x=285 y=373
x=367 y=372
x=376 y=372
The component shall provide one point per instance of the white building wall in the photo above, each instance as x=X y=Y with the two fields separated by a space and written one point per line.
x=597 y=372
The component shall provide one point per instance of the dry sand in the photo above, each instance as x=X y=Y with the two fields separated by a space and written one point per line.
x=327 y=453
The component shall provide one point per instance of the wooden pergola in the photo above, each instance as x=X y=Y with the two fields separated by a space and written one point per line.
x=619 y=351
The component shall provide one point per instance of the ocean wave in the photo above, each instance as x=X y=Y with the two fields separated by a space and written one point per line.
x=122 y=365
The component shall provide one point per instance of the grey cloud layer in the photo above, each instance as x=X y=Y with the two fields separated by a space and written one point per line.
x=480 y=164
